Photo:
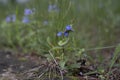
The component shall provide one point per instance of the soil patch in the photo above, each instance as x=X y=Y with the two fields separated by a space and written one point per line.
x=34 y=67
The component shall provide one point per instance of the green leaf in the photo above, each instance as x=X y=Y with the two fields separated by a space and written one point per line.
x=49 y=58
x=115 y=56
x=56 y=48
x=63 y=42
x=62 y=64
x=81 y=51
x=75 y=65
x=49 y=42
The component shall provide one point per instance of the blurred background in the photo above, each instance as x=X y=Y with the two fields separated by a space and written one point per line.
x=96 y=23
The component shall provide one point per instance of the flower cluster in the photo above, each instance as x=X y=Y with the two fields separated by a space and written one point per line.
x=27 y=12
x=11 y=18
x=66 y=32
x=25 y=19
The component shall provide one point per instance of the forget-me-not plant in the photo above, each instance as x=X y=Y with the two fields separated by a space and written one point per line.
x=27 y=12
x=68 y=29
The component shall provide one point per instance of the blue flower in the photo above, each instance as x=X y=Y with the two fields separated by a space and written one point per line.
x=66 y=34
x=25 y=19
x=53 y=8
x=11 y=18
x=59 y=34
x=8 y=19
x=50 y=8
x=28 y=11
x=68 y=28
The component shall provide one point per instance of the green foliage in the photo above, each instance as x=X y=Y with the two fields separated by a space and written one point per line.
x=96 y=23
x=114 y=57
x=63 y=42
